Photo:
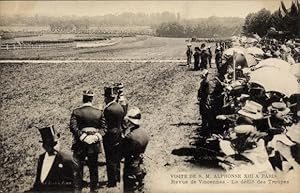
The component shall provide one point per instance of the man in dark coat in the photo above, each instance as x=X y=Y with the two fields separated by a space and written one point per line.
x=55 y=170
x=218 y=58
x=85 y=126
x=133 y=147
x=196 y=58
x=202 y=97
x=210 y=97
x=209 y=55
x=121 y=99
x=113 y=115
x=204 y=56
x=189 y=54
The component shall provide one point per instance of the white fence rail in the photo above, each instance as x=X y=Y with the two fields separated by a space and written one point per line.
x=34 y=46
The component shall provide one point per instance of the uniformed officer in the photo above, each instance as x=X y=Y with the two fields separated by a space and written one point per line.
x=121 y=99
x=202 y=96
x=85 y=126
x=113 y=114
x=133 y=147
x=189 y=54
x=218 y=57
x=204 y=56
x=55 y=170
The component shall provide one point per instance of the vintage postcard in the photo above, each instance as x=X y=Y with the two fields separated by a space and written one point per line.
x=150 y=96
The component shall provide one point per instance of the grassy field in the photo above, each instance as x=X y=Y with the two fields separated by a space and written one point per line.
x=140 y=47
x=36 y=95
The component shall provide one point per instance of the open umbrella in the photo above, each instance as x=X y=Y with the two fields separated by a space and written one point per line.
x=295 y=69
x=256 y=36
x=229 y=52
x=274 y=79
x=257 y=52
x=276 y=63
x=251 y=40
x=242 y=60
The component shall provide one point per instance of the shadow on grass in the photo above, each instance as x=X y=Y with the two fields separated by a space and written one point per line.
x=185 y=124
x=201 y=152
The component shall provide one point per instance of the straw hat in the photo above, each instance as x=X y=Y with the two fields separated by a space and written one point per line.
x=134 y=115
x=252 y=110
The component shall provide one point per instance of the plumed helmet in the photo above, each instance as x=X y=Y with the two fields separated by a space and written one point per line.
x=88 y=93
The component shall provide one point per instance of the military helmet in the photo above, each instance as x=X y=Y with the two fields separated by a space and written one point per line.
x=110 y=91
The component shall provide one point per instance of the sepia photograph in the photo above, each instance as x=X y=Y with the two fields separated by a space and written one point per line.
x=150 y=96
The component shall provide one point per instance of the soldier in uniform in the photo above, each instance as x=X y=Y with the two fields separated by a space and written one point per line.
x=85 y=126
x=55 y=170
x=189 y=54
x=209 y=55
x=133 y=146
x=197 y=58
x=121 y=99
x=113 y=115
x=204 y=56
x=218 y=58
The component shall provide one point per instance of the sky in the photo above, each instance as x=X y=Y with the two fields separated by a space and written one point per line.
x=187 y=9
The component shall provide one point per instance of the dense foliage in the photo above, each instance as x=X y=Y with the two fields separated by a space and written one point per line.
x=206 y=28
x=283 y=19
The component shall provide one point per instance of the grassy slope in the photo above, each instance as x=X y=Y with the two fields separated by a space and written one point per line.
x=34 y=95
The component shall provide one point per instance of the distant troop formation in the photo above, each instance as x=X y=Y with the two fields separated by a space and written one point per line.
x=114 y=130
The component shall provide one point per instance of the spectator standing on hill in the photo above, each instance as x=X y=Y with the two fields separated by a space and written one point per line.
x=189 y=54
x=202 y=96
x=55 y=169
x=197 y=58
x=85 y=126
x=113 y=115
x=204 y=56
x=121 y=99
x=209 y=56
x=133 y=147
x=218 y=57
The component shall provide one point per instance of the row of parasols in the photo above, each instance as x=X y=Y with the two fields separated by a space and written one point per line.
x=273 y=74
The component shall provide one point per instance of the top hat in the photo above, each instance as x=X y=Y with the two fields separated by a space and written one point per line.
x=252 y=110
x=88 y=93
x=134 y=115
x=110 y=91
x=48 y=135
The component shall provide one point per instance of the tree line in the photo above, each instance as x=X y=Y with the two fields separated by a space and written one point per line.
x=123 y=19
x=284 y=19
x=202 y=28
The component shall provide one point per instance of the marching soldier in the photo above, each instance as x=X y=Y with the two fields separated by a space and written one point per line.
x=133 y=147
x=85 y=126
x=55 y=170
x=189 y=54
x=113 y=114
